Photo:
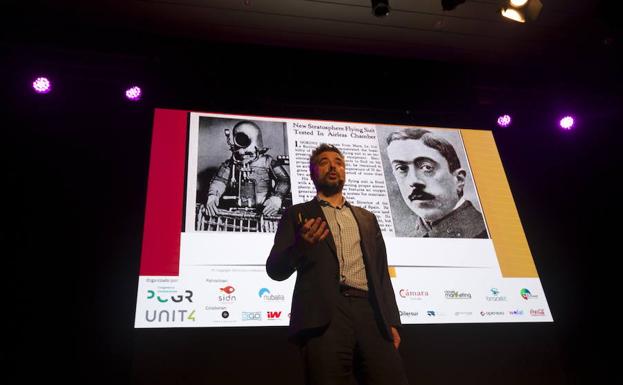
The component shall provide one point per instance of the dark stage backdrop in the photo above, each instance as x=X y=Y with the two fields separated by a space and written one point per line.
x=75 y=166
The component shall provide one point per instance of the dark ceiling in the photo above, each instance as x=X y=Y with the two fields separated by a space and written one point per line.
x=474 y=32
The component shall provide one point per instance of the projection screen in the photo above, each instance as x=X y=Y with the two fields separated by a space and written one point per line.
x=207 y=236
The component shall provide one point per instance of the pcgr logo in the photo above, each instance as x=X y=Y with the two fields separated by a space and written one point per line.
x=227 y=296
x=251 y=316
x=170 y=316
x=525 y=294
x=265 y=294
x=495 y=296
x=175 y=298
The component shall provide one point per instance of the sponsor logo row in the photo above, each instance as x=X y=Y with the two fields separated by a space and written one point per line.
x=493 y=295
x=189 y=316
x=481 y=313
x=226 y=294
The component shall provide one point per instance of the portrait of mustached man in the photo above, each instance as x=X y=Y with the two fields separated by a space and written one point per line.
x=432 y=181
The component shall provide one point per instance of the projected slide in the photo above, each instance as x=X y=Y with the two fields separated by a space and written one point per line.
x=218 y=185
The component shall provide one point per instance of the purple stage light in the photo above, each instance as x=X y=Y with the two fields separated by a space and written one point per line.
x=504 y=121
x=42 y=85
x=133 y=93
x=567 y=122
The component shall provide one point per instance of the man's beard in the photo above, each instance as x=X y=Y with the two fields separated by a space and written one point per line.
x=329 y=189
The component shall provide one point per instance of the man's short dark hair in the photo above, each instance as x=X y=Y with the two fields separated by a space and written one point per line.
x=431 y=140
x=323 y=147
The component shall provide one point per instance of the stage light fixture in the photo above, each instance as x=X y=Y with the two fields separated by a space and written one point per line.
x=521 y=10
x=567 y=123
x=134 y=93
x=449 y=5
x=380 y=8
x=504 y=120
x=42 y=85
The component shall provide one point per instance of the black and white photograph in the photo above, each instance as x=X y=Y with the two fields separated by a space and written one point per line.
x=243 y=175
x=429 y=183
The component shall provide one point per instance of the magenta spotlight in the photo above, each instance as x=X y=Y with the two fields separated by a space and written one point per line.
x=504 y=121
x=133 y=93
x=42 y=85
x=567 y=122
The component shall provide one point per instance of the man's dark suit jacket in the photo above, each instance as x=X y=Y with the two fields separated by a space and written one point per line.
x=317 y=281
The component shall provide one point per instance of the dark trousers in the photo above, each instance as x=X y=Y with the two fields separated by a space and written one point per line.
x=352 y=347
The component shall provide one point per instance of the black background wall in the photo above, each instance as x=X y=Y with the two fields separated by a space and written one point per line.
x=75 y=168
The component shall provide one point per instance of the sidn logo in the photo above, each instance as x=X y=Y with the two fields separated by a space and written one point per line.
x=169 y=316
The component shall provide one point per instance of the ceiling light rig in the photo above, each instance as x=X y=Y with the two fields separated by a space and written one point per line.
x=380 y=8
x=521 y=10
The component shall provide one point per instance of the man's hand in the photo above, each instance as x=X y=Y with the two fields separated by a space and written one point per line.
x=211 y=205
x=313 y=231
x=272 y=205
x=396 y=336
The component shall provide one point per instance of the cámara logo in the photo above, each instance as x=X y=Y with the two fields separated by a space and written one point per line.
x=406 y=293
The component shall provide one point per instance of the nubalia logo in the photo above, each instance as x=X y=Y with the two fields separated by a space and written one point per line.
x=273 y=315
x=227 y=297
x=188 y=296
x=266 y=295
x=170 y=316
x=251 y=316
x=525 y=294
